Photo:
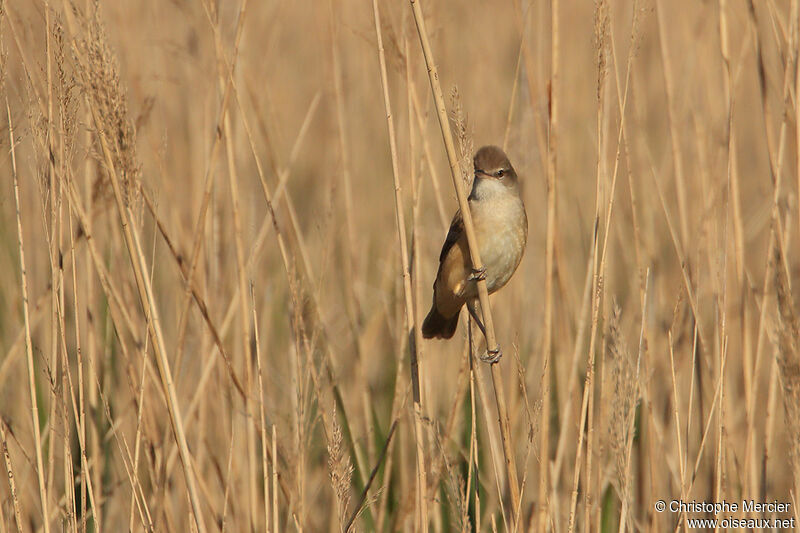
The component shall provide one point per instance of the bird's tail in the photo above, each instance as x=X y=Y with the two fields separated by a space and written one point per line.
x=439 y=326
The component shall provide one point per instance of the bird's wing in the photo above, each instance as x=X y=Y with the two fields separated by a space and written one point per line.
x=455 y=233
x=451 y=278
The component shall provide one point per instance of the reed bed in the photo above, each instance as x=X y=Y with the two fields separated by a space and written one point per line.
x=220 y=224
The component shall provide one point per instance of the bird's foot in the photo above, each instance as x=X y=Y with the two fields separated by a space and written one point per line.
x=478 y=274
x=492 y=356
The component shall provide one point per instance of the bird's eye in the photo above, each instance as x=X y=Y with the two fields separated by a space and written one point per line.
x=500 y=173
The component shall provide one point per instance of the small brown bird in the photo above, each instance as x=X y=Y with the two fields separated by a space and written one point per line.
x=501 y=228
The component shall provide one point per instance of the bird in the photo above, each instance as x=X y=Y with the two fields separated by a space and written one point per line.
x=501 y=229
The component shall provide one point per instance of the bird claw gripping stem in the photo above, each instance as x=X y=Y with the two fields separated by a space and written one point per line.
x=492 y=356
x=478 y=274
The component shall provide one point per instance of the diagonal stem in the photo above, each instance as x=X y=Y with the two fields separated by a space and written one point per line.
x=483 y=293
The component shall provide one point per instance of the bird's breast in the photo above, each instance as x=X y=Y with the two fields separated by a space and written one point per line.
x=501 y=228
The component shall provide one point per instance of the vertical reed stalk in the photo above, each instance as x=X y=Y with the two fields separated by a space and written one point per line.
x=675 y=137
x=10 y=474
x=275 y=516
x=547 y=328
x=154 y=327
x=244 y=312
x=422 y=486
x=37 y=440
x=261 y=418
x=208 y=188
x=491 y=342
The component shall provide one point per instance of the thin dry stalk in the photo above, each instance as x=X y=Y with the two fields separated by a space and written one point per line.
x=66 y=393
x=37 y=440
x=414 y=266
x=426 y=147
x=398 y=404
x=244 y=312
x=572 y=382
x=676 y=410
x=452 y=418
x=10 y=475
x=223 y=517
x=262 y=419
x=588 y=390
x=776 y=162
x=622 y=99
x=491 y=342
x=312 y=287
x=154 y=324
x=789 y=365
x=138 y=439
x=209 y=184
x=85 y=477
x=135 y=504
x=118 y=315
x=513 y=99
x=601 y=30
x=90 y=66
x=275 y=516
x=745 y=313
x=692 y=476
x=269 y=222
x=93 y=442
x=598 y=269
x=407 y=293
x=645 y=441
x=680 y=253
x=216 y=334
x=271 y=199
x=494 y=447
x=547 y=328
x=286 y=257
x=541 y=94
x=53 y=237
x=674 y=124
x=795 y=17
x=473 y=469
x=125 y=453
x=17 y=346
x=351 y=263
x=363 y=501
x=310 y=290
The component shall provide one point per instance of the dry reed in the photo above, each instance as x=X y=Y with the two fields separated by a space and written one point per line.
x=208 y=293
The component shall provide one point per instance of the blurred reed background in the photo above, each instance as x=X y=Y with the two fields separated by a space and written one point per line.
x=202 y=296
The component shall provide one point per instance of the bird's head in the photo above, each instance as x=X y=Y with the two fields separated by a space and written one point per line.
x=492 y=163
